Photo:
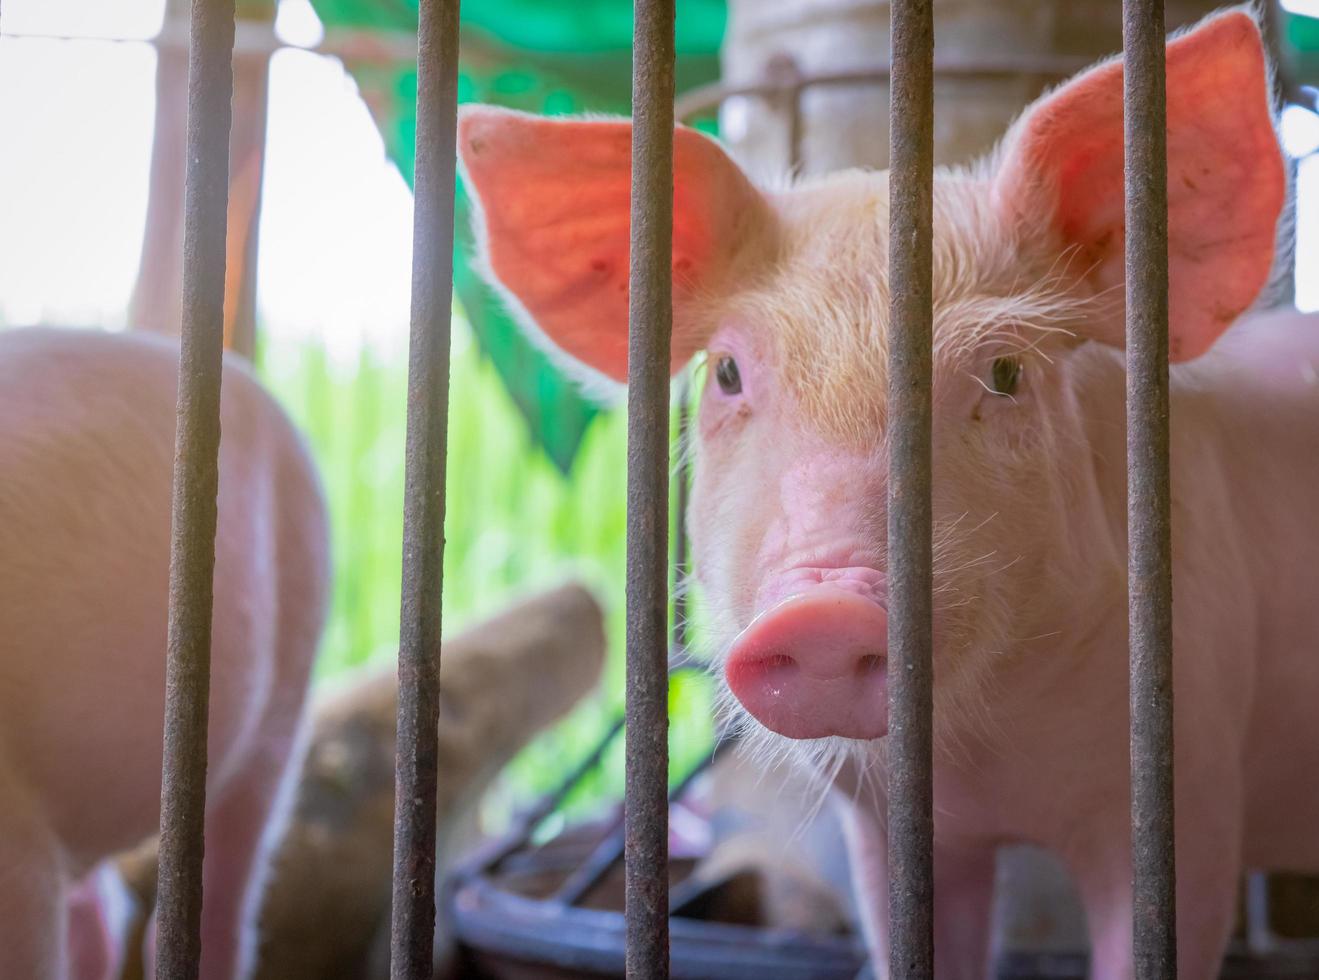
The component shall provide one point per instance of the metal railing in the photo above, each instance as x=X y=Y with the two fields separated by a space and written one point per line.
x=1149 y=521
x=196 y=482
x=645 y=828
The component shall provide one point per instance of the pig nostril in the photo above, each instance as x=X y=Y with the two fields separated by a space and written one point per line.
x=869 y=664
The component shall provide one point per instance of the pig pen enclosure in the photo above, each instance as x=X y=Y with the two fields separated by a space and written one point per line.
x=608 y=897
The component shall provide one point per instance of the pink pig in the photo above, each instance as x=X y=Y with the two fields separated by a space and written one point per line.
x=785 y=292
x=87 y=449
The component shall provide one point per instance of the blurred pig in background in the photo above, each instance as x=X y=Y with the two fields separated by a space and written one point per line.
x=86 y=453
x=326 y=909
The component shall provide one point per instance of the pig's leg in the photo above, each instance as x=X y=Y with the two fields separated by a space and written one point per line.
x=95 y=950
x=1210 y=822
x=867 y=853
x=1208 y=870
x=33 y=915
x=963 y=907
x=241 y=829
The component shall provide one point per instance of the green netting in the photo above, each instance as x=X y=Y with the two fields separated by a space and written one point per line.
x=1299 y=43
x=547 y=56
x=575 y=26
x=560 y=56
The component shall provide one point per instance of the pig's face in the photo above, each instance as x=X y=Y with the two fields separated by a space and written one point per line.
x=789 y=504
x=786 y=294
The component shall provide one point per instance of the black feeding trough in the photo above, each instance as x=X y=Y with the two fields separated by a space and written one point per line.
x=524 y=912
x=521 y=912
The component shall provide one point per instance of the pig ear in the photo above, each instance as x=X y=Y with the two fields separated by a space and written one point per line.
x=1225 y=177
x=553 y=202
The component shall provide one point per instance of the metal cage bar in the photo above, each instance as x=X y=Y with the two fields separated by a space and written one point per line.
x=650 y=315
x=196 y=483
x=1149 y=562
x=911 y=798
x=412 y=929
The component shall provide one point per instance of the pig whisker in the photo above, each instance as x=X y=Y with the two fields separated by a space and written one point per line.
x=988 y=390
x=975 y=725
x=820 y=788
x=983 y=523
x=988 y=720
x=684 y=455
x=1038 y=636
x=960 y=604
x=971 y=563
x=949 y=525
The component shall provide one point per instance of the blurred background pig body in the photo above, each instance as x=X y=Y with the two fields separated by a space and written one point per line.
x=786 y=292
x=86 y=449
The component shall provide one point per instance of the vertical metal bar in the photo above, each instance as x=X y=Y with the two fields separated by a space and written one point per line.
x=413 y=913
x=650 y=316
x=786 y=80
x=796 y=125
x=1259 y=921
x=911 y=180
x=1149 y=562
x=196 y=483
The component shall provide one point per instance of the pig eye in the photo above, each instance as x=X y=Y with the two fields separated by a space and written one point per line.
x=1005 y=375
x=726 y=373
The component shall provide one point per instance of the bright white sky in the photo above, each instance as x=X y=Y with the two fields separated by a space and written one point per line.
x=75 y=145
x=75 y=142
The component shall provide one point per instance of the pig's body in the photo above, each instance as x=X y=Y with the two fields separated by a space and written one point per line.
x=1054 y=769
x=1245 y=471
x=86 y=449
x=786 y=292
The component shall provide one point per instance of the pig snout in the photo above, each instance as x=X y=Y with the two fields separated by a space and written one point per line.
x=815 y=664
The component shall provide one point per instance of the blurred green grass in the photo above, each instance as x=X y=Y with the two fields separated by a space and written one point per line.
x=514 y=525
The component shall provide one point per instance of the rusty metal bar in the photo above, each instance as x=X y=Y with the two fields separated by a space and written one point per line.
x=650 y=316
x=196 y=484
x=911 y=183
x=1149 y=562
x=796 y=136
x=1259 y=921
x=415 y=777
x=783 y=78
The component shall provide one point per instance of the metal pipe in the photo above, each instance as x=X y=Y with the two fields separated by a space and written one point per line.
x=1259 y=922
x=196 y=483
x=650 y=321
x=1149 y=568
x=1043 y=67
x=413 y=926
x=796 y=125
x=911 y=185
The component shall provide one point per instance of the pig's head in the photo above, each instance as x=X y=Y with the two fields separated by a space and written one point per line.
x=785 y=292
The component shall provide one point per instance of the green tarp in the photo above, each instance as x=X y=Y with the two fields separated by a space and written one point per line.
x=540 y=56
x=559 y=56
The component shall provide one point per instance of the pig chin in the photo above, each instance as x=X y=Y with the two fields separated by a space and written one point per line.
x=813 y=662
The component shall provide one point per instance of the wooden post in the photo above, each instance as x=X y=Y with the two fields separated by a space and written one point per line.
x=156 y=304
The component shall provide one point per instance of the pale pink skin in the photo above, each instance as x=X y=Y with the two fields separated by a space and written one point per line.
x=788 y=517
x=86 y=449
x=100 y=908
